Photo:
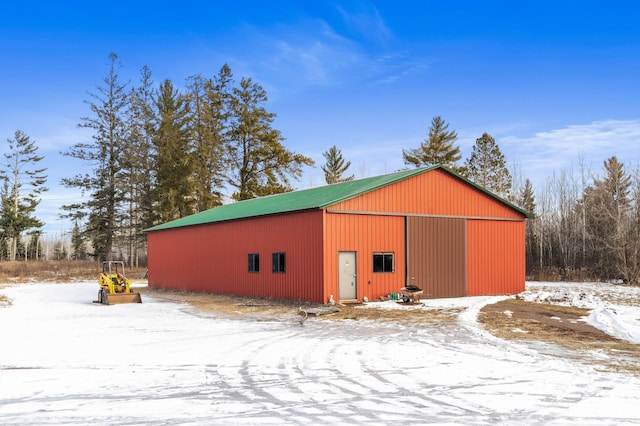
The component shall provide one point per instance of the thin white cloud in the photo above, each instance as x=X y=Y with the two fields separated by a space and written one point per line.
x=548 y=152
x=314 y=58
x=311 y=53
x=394 y=67
x=367 y=22
x=596 y=136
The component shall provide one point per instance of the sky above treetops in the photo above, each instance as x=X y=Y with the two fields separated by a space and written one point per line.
x=555 y=83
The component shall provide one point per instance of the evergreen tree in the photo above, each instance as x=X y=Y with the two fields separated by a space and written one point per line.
x=527 y=202
x=139 y=169
x=437 y=149
x=105 y=154
x=23 y=184
x=174 y=155
x=260 y=164
x=608 y=210
x=335 y=166
x=4 y=247
x=486 y=166
x=209 y=104
x=78 y=245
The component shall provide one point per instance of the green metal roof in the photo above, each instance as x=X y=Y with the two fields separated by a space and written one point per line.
x=307 y=199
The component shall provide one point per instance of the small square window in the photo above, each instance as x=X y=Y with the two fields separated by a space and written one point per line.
x=383 y=262
x=278 y=262
x=254 y=262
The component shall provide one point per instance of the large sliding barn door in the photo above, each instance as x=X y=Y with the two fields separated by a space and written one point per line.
x=436 y=256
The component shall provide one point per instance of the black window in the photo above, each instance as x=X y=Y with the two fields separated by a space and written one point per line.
x=383 y=262
x=254 y=262
x=277 y=262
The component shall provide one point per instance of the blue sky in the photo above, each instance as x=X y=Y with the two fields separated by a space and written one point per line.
x=552 y=82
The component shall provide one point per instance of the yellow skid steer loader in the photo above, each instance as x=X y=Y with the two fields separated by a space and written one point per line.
x=114 y=286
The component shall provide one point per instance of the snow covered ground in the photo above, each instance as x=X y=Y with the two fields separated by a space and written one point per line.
x=65 y=360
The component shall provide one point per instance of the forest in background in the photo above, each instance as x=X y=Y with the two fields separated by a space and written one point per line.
x=158 y=154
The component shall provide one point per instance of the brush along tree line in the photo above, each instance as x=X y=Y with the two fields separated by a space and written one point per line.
x=158 y=154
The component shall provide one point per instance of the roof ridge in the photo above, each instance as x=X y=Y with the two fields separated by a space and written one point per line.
x=311 y=198
x=303 y=199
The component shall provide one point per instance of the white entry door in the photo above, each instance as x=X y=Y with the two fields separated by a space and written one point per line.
x=348 y=279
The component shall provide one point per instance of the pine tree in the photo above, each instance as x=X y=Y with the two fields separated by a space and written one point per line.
x=139 y=169
x=608 y=210
x=209 y=104
x=4 y=247
x=106 y=155
x=437 y=149
x=260 y=164
x=18 y=202
x=78 y=245
x=335 y=166
x=487 y=167
x=174 y=155
x=527 y=202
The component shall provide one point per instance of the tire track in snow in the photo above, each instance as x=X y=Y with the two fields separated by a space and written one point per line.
x=202 y=370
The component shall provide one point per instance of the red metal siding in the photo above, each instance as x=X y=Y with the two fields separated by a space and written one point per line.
x=435 y=193
x=214 y=258
x=436 y=256
x=364 y=234
x=495 y=257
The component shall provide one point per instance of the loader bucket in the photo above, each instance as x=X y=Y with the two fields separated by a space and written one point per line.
x=117 y=298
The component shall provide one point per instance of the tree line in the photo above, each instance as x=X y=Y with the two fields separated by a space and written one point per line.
x=587 y=225
x=157 y=154
x=582 y=228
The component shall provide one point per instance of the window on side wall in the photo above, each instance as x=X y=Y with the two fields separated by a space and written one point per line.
x=383 y=262
x=278 y=262
x=254 y=262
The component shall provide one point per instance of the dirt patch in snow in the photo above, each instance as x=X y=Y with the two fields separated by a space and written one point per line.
x=268 y=310
x=519 y=319
x=561 y=325
x=4 y=301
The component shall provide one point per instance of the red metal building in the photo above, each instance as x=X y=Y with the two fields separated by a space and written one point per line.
x=365 y=238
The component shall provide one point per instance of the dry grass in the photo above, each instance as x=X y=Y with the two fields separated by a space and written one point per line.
x=228 y=306
x=54 y=271
x=265 y=309
x=562 y=326
x=412 y=316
